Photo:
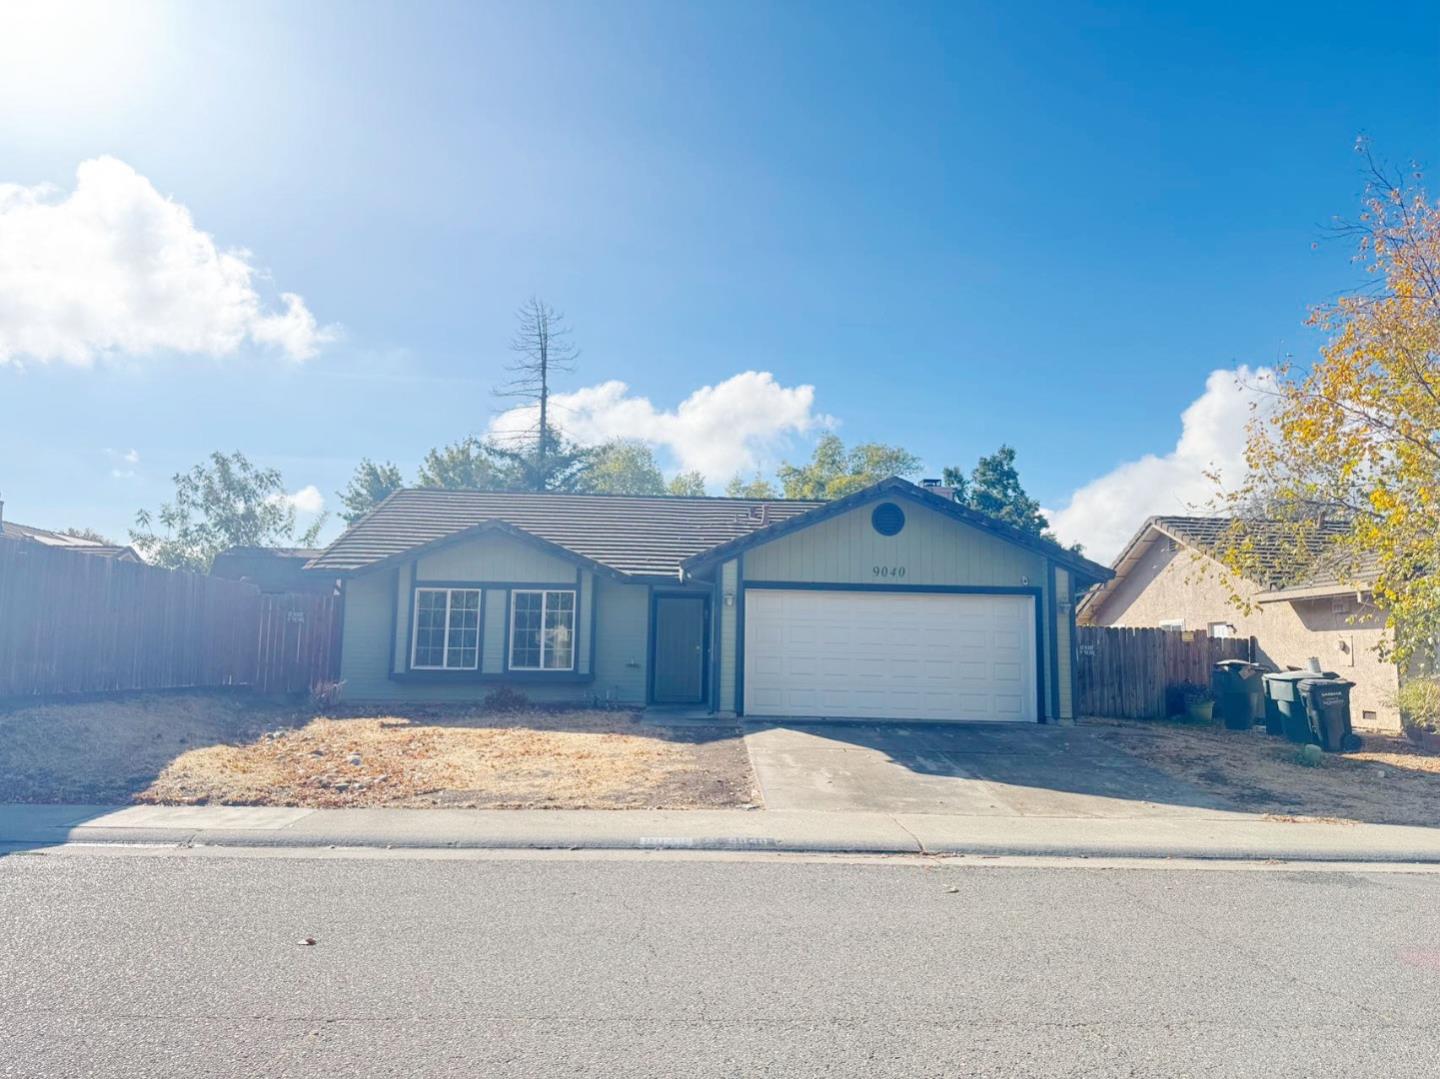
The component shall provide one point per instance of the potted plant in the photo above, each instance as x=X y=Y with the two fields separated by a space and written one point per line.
x=1419 y=701
x=1199 y=702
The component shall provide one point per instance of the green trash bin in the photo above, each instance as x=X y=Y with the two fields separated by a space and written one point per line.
x=1239 y=691
x=1284 y=708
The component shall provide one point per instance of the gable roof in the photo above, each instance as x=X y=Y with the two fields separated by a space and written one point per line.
x=633 y=535
x=945 y=504
x=630 y=535
x=1274 y=550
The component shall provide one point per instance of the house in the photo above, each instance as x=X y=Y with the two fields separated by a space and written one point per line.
x=892 y=603
x=13 y=530
x=1168 y=577
x=272 y=569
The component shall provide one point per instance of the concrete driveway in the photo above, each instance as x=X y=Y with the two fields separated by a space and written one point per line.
x=968 y=769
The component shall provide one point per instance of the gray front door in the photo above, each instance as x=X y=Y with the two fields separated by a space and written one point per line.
x=679 y=650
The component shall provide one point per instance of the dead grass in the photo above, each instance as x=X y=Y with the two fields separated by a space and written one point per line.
x=1388 y=781
x=218 y=749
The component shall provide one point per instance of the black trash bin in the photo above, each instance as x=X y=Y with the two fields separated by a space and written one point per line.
x=1327 y=705
x=1310 y=707
x=1239 y=692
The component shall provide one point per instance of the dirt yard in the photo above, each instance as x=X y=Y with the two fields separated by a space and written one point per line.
x=216 y=748
x=1387 y=781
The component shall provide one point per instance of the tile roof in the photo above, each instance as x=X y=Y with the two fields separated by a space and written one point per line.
x=1274 y=544
x=630 y=534
x=15 y=530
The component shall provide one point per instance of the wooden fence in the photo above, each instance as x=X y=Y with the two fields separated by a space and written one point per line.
x=77 y=623
x=1130 y=673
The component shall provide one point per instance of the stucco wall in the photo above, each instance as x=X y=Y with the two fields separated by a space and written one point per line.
x=1179 y=584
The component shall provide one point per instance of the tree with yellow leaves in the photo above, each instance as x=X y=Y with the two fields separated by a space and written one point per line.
x=1345 y=464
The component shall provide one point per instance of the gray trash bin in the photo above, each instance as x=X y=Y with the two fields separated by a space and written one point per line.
x=1239 y=690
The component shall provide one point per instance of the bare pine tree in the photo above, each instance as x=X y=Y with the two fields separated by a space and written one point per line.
x=543 y=349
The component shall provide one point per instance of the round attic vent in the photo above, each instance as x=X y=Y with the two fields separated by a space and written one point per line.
x=887 y=519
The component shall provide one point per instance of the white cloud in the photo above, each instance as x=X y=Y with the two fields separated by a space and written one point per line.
x=122 y=463
x=307 y=501
x=1105 y=513
x=115 y=267
x=733 y=426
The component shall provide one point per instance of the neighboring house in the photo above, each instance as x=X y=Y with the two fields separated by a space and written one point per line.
x=272 y=569
x=1167 y=577
x=12 y=530
x=891 y=603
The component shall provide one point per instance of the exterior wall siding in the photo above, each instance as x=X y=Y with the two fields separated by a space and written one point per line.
x=365 y=654
x=621 y=642
x=1064 y=650
x=933 y=550
x=1181 y=585
x=729 y=583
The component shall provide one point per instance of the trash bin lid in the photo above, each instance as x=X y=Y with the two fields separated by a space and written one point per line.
x=1235 y=665
x=1291 y=676
x=1321 y=680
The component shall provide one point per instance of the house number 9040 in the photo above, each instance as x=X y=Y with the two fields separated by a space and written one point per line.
x=888 y=571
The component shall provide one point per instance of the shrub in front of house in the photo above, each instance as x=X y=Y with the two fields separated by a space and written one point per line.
x=1419 y=703
x=1199 y=701
x=506 y=699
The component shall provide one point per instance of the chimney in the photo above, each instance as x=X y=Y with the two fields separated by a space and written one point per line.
x=930 y=481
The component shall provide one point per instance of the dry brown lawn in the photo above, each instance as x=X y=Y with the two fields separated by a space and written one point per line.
x=1387 y=781
x=192 y=749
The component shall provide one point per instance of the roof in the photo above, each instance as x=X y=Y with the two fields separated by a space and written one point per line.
x=1273 y=546
x=272 y=569
x=15 y=530
x=631 y=535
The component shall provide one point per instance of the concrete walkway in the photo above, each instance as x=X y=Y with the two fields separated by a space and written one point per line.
x=1199 y=835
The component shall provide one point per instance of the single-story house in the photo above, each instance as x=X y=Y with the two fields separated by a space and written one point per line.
x=892 y=603
x=272 y=569
x=1167 y=577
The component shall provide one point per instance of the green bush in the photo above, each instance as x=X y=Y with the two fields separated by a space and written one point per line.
x=1419 y=702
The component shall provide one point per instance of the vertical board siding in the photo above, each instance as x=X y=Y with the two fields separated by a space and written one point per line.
x=729 y=586
x=1064 y=628
x=1127 y=673
x=78 y=623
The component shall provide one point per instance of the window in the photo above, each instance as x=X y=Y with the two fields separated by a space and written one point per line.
x=1173 y=625
x=542 y=631
x=1221 y=629
x=447 y=629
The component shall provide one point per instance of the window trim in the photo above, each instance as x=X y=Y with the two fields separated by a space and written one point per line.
x=1172 y=625
x=544 y=593
x=444 y=666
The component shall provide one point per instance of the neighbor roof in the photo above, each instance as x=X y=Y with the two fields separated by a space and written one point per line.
x=15 y=530
x=1274 y=549
x=630 y=534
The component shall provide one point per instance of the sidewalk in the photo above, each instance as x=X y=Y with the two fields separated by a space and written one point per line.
x=1208 y=835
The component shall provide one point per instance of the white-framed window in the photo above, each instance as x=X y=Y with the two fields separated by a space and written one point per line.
x=1173 y=625
x=542 y=630
x=446 y=634
x=1221 y=629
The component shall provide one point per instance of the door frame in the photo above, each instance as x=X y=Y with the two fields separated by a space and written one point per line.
x=703 y=598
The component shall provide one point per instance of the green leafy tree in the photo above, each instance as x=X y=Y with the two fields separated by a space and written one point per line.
x=834 y=472
x=371 y=485
x=89 y=534
x=623 y=467
x=757 y=487
x=686 y=485
x=226 y=503
x=993 y=487
x=467 y=463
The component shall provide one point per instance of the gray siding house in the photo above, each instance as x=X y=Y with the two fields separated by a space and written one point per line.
x=893 y=603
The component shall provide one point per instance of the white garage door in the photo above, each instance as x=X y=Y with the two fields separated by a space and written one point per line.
x=889 y=655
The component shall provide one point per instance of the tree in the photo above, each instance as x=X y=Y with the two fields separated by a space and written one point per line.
x=994 y=488
x=370 y=486
x=467 y=463
x=1343 y=465
x=834 y=472
x=227 y=503
x=623 y=467
x=686 y=485
x=758 y=487
x=541 y=458
x=89 y=534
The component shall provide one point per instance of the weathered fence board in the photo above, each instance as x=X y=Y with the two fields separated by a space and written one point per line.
x=77 y=623
x=1126 y=673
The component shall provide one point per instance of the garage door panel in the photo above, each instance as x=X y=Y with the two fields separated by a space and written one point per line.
x=889 y=655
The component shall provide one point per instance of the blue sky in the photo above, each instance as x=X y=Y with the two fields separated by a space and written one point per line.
x=961 y=224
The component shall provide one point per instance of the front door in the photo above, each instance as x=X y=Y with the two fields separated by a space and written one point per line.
x=679 y=650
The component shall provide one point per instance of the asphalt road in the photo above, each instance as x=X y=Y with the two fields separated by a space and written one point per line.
x=653 y=965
